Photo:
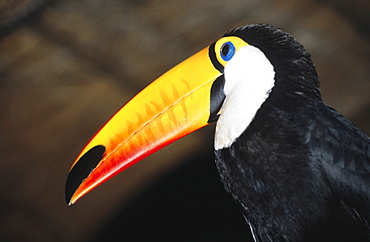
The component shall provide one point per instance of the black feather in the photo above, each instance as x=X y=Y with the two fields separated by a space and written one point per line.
x=300 y=171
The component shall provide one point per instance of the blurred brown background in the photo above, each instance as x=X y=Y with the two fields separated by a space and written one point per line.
x=67 y=66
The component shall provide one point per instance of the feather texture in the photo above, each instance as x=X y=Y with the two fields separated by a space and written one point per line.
x=300 y=171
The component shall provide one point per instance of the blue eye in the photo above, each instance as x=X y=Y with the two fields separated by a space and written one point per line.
x=227 y=51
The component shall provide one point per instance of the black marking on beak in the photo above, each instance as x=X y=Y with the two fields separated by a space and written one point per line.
x=212 y=56
x=217 y=98
x=82 y=169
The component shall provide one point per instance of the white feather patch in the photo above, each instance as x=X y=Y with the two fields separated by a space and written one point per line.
x=249 y=78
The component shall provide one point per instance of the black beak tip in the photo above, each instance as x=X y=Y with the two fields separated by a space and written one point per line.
x=82 y=169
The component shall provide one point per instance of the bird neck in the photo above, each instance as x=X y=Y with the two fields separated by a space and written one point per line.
x=269 y=173
x=249 y=78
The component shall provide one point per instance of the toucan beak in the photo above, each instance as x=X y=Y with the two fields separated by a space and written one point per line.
x=174 y=105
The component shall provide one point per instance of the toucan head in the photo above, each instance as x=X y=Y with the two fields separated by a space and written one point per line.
x=226 y=82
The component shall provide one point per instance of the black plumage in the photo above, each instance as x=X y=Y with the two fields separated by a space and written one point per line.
x=300 y=171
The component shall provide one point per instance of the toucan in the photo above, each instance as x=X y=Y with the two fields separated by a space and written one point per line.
x=299 y=170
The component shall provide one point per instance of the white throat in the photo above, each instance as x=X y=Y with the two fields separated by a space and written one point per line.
x=249 y=78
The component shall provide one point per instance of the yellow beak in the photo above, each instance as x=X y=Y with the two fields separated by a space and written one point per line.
x=174 y=105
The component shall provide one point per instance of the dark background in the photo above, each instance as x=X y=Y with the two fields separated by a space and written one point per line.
x=67 y=66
